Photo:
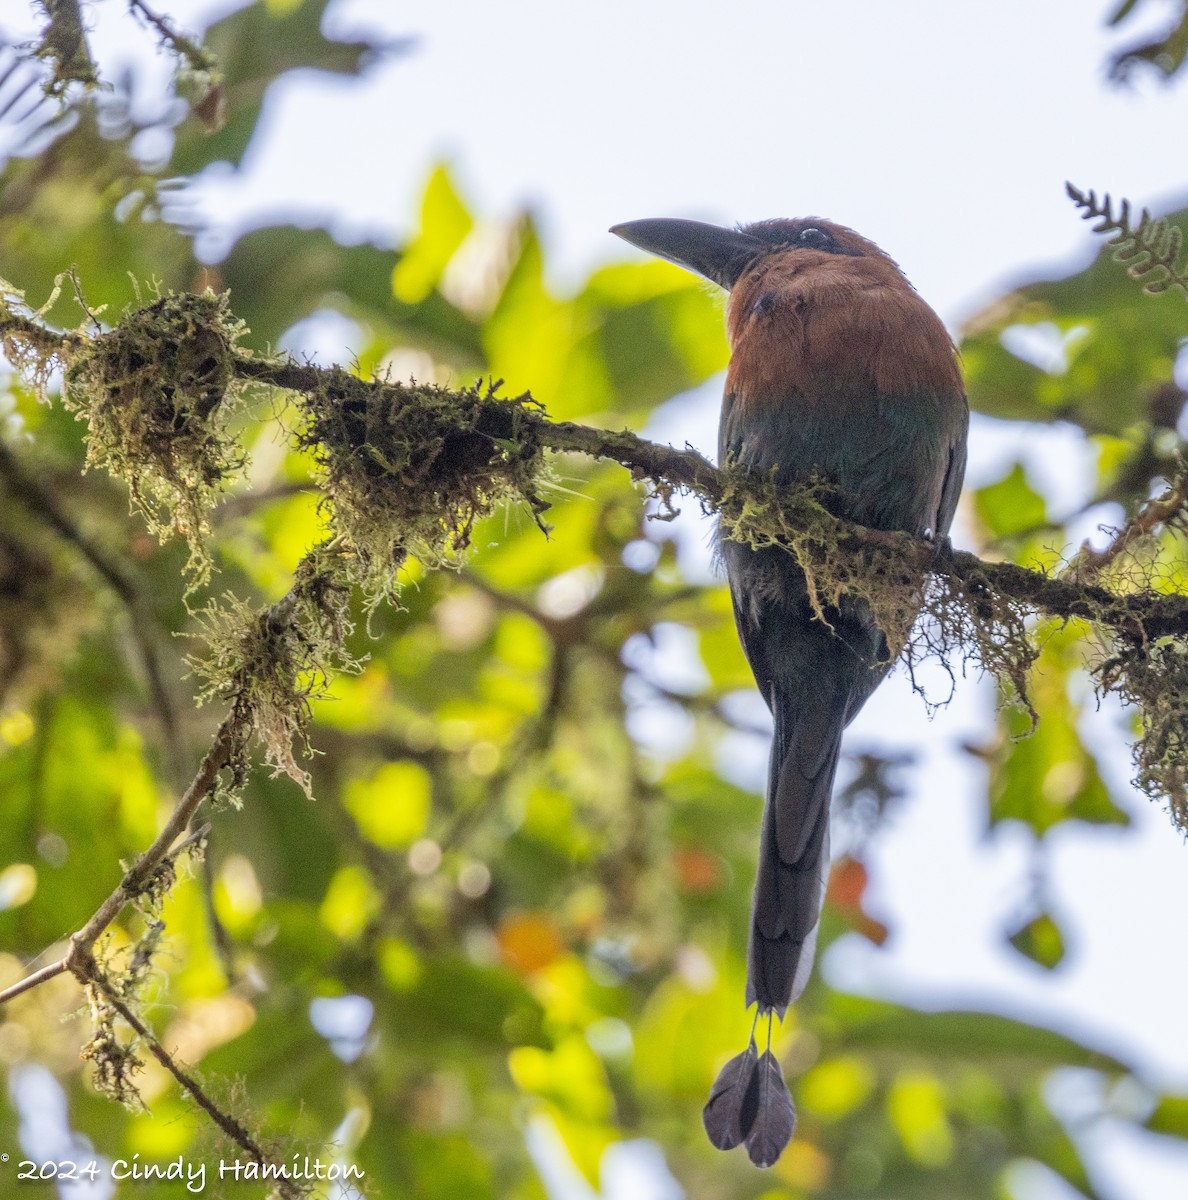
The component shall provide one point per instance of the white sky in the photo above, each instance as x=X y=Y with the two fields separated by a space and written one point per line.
x=945 y=131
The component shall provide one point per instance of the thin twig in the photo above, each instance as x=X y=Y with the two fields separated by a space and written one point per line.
x=135 y=880
x=133 y=883
x=465 y=818
x=199 y=58
x=197 y=834
x=90 y=972
x=64 y=43
x=31 y=981
x=555 y=627
x=224 y=948
x=1166 y=510
x=27 y=329
x=223 y=751
x=244 y=504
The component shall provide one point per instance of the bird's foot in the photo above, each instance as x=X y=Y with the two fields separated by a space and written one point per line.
x=942 y=550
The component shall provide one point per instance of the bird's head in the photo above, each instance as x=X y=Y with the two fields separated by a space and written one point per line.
x=869 y=324
x=723 y=255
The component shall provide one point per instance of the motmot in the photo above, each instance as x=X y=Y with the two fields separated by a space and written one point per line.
x=839 y=373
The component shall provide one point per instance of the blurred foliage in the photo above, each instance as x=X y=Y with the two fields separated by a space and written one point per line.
x=504 y=919
x=1164 y=52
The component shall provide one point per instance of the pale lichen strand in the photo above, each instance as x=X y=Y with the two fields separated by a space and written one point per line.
x=1153 y=677
x=409 y=469
x=270 y=666
x=116 y=1061
x=125 y=973
x=935 y=615
x=967 y=621
x=156 y=394
x=1146 y=672
x=964 y=620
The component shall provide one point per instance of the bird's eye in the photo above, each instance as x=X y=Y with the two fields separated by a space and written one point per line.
x=814 y=237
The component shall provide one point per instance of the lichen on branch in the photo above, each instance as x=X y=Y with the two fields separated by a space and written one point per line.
x=269 y=666
x=157 y=392
x=409 y=469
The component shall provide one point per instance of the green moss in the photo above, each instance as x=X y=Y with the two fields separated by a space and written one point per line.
x=922 y=615
x=1153 y=676
x=269 y=666
x=409 y=469
x=156 y=393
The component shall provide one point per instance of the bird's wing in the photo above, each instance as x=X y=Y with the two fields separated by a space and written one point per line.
x=954 y=476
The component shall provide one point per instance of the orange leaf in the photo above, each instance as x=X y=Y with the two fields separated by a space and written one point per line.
x=847 y=884
x=696 y=870
x=529 y=941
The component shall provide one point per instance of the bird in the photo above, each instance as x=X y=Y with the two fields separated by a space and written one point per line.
x=839 y=373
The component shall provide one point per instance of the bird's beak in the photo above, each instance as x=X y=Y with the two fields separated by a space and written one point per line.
x=719 y=254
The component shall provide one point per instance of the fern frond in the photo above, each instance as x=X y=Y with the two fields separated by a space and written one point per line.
x=1150 y=250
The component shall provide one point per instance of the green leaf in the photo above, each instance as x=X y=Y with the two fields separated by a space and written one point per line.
x=281 y=274
x=1128 y=344
x=1170 y=1117
x=1041 y=940
x=445 y=224
x=1012 y=1047
x=1011 y=506
x=255 y=46
x=1048 y=776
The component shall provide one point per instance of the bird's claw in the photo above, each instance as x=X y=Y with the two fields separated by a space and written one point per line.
x=942 y=550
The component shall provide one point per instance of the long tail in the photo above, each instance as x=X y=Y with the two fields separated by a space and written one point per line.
x=815 y=682
x=794 y=844
x=749 y=1103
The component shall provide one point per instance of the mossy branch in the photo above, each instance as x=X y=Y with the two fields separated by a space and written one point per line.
x=64 y=44
x=1169 y=510
x=751 y=505
x=103 y=994
x=269 y=665
x=408 y=470
x=268 y=689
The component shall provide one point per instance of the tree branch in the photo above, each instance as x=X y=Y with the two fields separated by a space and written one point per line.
x=197 y=56
x=225 y=751
x=19 y=329
x=490 y=420
x=409 y=469
x=90 y=972
x=31 y=981
x=64 y=43
x=137 y=878
x=1141 y=614
x=1167 y=511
